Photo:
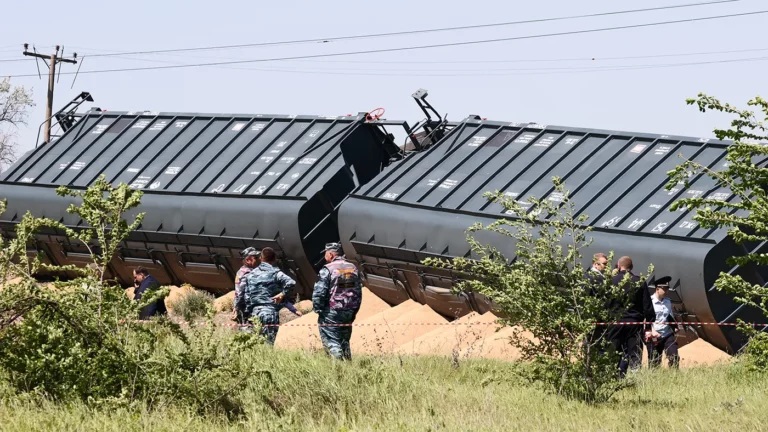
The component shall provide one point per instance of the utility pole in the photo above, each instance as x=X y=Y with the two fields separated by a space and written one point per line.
x=54 y=59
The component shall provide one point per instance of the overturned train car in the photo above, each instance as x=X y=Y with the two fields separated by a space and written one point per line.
x=421 y=206
x=214 y=184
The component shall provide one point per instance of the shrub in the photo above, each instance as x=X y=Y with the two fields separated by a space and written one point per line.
x=81 y=340
x=545 y=295
x=195 y=304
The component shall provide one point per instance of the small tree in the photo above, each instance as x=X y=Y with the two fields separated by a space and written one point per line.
x=80 y=339
x=746 y=177
x=545 y=294
x=14 y=103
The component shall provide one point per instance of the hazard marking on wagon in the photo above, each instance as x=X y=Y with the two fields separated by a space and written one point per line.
x=638 y=148
x=238 y=126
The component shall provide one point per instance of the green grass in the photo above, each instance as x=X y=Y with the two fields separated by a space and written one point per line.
x=309 y=392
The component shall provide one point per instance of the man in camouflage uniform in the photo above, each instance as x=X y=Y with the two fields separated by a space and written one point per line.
x=250 y=261
x=336 y=299
x=265 y=289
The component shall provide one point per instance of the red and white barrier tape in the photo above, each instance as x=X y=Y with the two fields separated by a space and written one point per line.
x=204 y=323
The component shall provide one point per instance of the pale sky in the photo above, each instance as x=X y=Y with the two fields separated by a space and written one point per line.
x=461 y=80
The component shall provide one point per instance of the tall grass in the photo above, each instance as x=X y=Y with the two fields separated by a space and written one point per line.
x=301 y=391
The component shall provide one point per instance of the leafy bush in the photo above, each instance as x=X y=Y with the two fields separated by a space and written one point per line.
x=744 y=209
x=545 y=295
x=80 y=340
x=195 y=304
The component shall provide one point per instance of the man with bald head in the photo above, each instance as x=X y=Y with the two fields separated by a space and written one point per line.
x=628 y=339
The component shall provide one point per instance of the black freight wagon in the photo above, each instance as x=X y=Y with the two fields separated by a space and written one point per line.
x=421 y=206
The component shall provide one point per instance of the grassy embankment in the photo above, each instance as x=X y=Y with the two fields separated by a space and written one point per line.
x=309 y=392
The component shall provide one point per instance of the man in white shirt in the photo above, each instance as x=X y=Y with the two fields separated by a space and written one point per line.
x=662 y=338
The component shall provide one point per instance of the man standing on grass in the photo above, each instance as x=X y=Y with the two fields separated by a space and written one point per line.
x=663 y=339
x=265 y=289
x=250 y=261
x=628 y=338
x=336 y=298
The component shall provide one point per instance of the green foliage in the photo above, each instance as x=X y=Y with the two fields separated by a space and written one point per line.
x=195 y=304
x=545 y=293
x=15 y=103
x=744 y=211
x=80 y=339
x=308 y=392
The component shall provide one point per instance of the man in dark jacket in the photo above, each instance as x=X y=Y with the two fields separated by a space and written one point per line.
x=628 y=339
x=143 y=281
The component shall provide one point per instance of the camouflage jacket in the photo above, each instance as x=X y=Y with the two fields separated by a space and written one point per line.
x=240 y=286
x=265 y=282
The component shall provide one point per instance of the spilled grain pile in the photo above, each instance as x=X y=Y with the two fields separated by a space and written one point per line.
x=302 y=334
x=702 y=353
x=394 y=327
x=458 y=337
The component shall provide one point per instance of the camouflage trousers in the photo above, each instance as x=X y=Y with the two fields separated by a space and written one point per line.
x=336 y=339
x=266 y=315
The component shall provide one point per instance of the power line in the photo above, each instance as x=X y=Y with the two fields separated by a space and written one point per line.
x=496 y=61
x=563 y=59
x=403 y=33
x=412 y=48
x=487 y=71
x=502 y=72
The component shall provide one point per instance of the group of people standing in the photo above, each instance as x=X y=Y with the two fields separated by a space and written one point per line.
x=262 y=289
x=651 y=312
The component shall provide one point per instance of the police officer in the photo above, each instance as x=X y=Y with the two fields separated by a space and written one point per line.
x=662 y=338
x=628 y=339
x=265 y=289
x=250 y=261
x=336 y=298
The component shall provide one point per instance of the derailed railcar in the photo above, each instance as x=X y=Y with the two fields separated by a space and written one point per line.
x=421 y=207
x=214 y=184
